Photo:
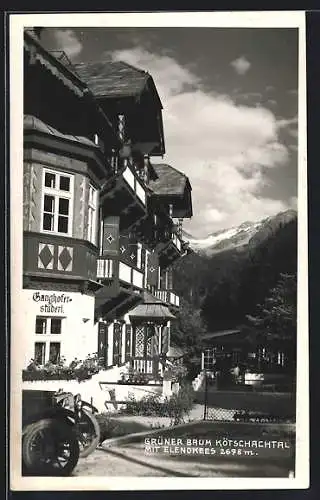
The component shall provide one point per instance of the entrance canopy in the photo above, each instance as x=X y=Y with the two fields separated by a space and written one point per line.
x=152 y=309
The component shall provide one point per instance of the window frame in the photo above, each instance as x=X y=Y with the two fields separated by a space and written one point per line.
x=57 y=194
x=48 y=337
x=92 y=222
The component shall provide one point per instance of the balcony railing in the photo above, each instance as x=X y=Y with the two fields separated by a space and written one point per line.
x=130 y=275
x=168 y=297
x=134 y=184
x=144 y=365
x=171 y=247
x=51 y=254
x=105 y=268
x=176 y=240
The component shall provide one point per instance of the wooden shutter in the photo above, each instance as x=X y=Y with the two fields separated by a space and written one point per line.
x=143 y=259
x=155 y=342
x=128 y=250
x=152 y=269
x=128 y=342
x=149 y=342
x=117 y=341
x=165 y=340
x=110 y=241
x=103 y=343
x=163 y=279
x=169 y=278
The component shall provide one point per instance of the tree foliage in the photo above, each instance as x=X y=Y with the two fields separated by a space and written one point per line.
x=221 y=291
x=276 y=318
x=228 y=286
x=186 y=333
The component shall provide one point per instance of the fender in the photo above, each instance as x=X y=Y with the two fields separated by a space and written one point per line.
x=90 y=406
x=56 y=413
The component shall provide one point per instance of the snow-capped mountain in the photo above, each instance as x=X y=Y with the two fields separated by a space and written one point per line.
x=238 y=236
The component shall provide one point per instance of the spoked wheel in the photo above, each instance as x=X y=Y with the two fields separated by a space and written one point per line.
x=50 y=448
x=88 y=433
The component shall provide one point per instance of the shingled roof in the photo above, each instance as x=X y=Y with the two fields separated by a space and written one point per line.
x=170 y=181
x=151 y=312
x=113 y=78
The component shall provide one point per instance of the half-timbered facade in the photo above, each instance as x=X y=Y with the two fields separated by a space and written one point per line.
x=102 y=218
x=64 y=170
x=141 y=240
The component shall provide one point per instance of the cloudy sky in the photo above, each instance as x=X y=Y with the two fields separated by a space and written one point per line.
x=230 y=110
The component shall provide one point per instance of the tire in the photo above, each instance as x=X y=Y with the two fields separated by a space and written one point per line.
x=88 y=433
x=49 y=448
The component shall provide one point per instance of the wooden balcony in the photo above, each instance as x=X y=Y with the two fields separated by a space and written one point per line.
x=134 y=183
x=145 y=365
x=59 y=257
x=168 y=297
x=176 y=241
x=130 y=275
x=121 y=286
x=125 y=194
x=170 y=250
x=106 y=268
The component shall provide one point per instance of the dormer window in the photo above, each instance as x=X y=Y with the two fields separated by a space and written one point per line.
x=57 y=202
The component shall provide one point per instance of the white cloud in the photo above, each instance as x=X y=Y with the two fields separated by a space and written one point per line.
x=241 y=65
x=287 y=122
x=272 y=102
x=270 y=88
x=224 y=148
x=293 y=202
x=67 y=40
x=290 y=125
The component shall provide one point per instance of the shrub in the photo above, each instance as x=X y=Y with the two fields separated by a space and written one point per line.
x=180 y=404
x=134 y=377
x=176 y=407
x=76 y=370
x=175 y=373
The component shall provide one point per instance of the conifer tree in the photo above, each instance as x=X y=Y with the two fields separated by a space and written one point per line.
x=276 y=317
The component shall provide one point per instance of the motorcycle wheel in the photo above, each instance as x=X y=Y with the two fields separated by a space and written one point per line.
x=88 y=433
x=50 y=448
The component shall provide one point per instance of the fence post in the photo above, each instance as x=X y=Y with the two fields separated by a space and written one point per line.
x=205 y=395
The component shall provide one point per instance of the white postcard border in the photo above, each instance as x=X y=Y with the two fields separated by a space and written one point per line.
x=294 y=19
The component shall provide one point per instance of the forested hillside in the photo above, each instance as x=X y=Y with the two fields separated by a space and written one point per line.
x=219 y=291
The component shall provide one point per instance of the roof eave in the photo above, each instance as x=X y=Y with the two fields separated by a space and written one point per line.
x=60 y=66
